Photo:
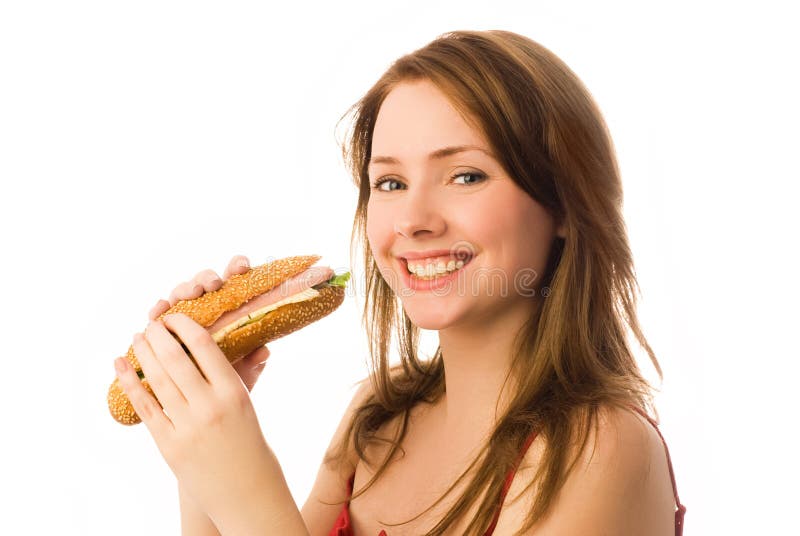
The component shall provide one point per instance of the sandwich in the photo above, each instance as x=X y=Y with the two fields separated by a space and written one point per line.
x=248 y=311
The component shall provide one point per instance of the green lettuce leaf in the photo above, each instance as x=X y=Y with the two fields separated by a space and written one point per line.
x=339 y=280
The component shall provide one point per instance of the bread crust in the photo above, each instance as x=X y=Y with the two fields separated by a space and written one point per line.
x=236 y=291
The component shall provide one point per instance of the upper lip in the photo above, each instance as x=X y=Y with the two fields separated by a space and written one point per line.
x=459 y=254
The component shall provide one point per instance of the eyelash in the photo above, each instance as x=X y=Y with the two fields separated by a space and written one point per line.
x=481 y=176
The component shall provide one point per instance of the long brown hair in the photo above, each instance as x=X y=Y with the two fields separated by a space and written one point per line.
x=572 y=356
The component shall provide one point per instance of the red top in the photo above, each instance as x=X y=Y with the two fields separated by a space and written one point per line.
x=343 y=527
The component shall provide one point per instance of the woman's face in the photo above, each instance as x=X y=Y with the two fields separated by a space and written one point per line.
x=428 y=206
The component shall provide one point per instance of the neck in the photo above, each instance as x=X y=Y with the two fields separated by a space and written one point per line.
x=477 y=358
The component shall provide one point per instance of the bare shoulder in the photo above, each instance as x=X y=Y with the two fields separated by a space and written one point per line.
x=620 y=484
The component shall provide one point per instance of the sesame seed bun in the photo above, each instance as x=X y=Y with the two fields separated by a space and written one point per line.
x=238 y=343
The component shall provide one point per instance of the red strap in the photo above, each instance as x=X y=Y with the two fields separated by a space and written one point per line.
x=507 y=483
x=679 y=513
x=343 y=526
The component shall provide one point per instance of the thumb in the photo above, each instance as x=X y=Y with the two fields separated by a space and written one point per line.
x=258 y=356
x=251 y=377
x=250 y=367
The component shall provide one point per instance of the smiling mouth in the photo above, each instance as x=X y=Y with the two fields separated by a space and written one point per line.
x=430 y=270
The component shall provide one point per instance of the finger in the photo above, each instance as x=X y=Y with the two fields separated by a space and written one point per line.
x=207 y=355
x=176 y=363
x=147 y=408
x=250 y=377
x=185 y=291
x=209 y=279
x=164 y=388
x=253 y=359
x=257 y=356
x=239 y=264
x=158 y=309
x=251 y=366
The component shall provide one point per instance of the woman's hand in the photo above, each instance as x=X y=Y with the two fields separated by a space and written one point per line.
x=250 y=366
x=207 y=431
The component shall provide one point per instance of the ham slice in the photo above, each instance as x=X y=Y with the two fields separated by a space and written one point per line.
x=305 y=280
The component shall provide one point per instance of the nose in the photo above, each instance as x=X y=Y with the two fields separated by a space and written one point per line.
x=420 y=216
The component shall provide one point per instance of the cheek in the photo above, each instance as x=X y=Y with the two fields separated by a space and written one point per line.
x=371 y=224
x=534 y=236
x=379 y=229
x=376 y=228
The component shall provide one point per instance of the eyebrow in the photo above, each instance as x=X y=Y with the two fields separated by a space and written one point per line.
x=438 y=154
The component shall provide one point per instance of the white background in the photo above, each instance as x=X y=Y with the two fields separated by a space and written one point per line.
x=143 y=142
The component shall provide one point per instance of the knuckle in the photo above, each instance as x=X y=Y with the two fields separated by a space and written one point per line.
x=150 y=386
x=207 y=275
x=180 y=292
x=201 y=338
x=239 y=262
x=211 y=415
x=145 y=405
x=236 y=398
x=146 y=410
x=213 y=283
x=187 y=290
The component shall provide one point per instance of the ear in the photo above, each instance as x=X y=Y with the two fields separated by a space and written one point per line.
x=561 y=230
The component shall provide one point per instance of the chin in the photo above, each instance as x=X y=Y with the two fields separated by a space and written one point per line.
x=428 y=316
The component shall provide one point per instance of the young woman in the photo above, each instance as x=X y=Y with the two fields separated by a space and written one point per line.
x=490 y=210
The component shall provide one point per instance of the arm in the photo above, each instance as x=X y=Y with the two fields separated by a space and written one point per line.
x=273 y=511
x=194 y=521
x=265 y=506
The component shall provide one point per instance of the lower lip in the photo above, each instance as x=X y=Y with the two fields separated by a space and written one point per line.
x=415 y=283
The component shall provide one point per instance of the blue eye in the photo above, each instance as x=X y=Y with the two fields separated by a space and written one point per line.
x=478 y=178
x=379 y=182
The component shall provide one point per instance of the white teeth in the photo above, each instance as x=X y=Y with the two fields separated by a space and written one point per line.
x=431 y=269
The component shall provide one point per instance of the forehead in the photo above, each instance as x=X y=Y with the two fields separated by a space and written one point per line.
x=416 y=118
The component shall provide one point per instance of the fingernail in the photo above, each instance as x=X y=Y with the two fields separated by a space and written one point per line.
x=121 y=365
